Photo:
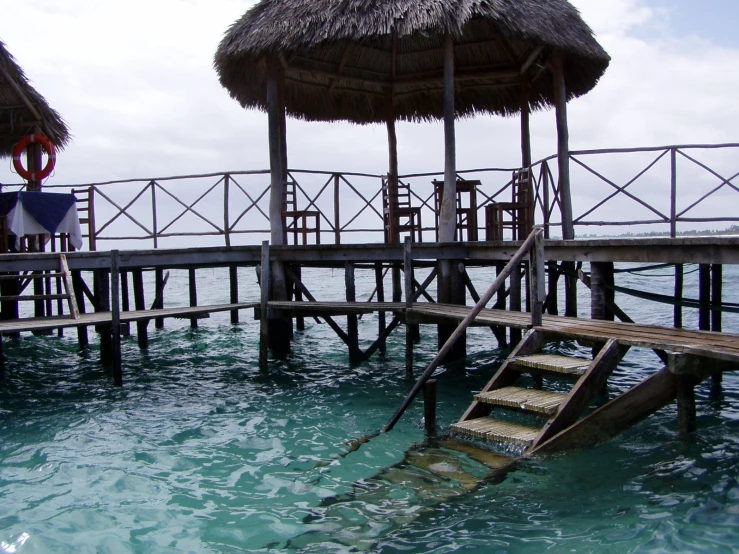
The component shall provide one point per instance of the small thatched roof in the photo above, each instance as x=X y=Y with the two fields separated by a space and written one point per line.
x=340 y=56
x=21 y=107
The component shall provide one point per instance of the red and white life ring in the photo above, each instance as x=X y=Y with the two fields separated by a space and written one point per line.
x=48 y=147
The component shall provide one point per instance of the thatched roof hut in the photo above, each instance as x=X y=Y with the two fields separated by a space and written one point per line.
x=340 y=56
x=22 y=108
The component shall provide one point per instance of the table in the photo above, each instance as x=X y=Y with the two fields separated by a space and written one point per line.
x=41 y=213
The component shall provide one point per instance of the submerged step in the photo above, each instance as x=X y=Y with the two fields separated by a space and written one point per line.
x=530 y=400
x=554 y=363
x=494 y=429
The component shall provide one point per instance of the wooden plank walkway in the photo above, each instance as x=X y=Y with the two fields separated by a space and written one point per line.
x=98 y=318
x=721 y=346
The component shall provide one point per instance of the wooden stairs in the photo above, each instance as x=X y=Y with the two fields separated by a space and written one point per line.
x=554 y=411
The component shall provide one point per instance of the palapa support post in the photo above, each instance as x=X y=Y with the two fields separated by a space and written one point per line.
x=142 y=333
x=101 y=289
x=408 y=272
x=552 y=292
x=280 y=330
x=716 y=301
x=115 y=321
x=601 y=290
x=450 y=284
x=563 y=165
x=537 y=290
x=233 y=283
x=429 y=406
x=125 y=303
x=352 y=324
x=381 y=323
x=79 y=293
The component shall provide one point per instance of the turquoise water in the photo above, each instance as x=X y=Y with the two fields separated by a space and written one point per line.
x=201 y=452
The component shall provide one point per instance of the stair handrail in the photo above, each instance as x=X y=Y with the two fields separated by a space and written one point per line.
x=528 y=244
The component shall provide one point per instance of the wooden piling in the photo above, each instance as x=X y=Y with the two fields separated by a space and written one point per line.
x=515 y=302
x=125 y=303
x=159 y=285
x=101 y=289
x=352 y=323
x=115 y=327
x=299 y=320
x=686 y=412
x=678 y=310
x=142 y=333
x=79 y=294
x=716 y=301
x=381 y=322
x=233 y=282
x=408 y=272
x=429 y=406
x=193 y=286
x=264 y=281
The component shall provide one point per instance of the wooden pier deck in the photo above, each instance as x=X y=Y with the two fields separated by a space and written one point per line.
x=719 y=346
x=102 y=318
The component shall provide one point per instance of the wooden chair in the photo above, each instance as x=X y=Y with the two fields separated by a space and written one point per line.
x=296 y=221
x=86 y=210
x=408 y=216
x=517 y=215
x=466 y=208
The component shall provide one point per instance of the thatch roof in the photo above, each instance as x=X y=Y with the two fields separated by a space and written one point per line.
x=341 y=55
x=22 y=107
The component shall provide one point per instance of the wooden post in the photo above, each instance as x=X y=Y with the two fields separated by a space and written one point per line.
x=226 y=219
x=125 y=303
x=597 y=291
x=265 y=282
x=552 y=290
x=673 y=192
x=408 y=272
x=429 y=406
x=280 y=330
x=77 y=286
x=299 y=320
x=537 y=292
x=392 y=176
x=233 y=281
x=102 y=304
x=448 y=215
x=193 y=286
x=563 y=148
x=380 y=286
x=704 y=297
x=115 y=324
x=716 y=301
x=515 y=302
x=352 y=324
x=678 y=309
x=525 y=124
x=337 y=209
x=142 y=334
x=154 y=230
x=686 y=413
x=159 y=283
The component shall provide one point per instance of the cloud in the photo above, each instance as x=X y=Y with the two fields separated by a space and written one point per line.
x=135 y=82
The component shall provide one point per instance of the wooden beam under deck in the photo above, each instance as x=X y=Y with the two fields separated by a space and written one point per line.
x=713 y=250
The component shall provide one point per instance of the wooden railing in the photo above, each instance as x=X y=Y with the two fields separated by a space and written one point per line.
x=662 y=189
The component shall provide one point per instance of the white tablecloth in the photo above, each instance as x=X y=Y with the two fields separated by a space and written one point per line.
x=20 y=223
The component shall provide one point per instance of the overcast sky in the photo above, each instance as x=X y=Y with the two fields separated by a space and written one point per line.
x=134 y=81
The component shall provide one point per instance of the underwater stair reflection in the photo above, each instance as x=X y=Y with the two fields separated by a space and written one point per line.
x=546 y=412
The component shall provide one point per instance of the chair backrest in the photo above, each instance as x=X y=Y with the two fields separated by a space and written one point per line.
x=403 y=197
x=86 y=210
x=290 y=196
